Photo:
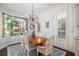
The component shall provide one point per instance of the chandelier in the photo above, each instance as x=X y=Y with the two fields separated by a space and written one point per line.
x=33 y=19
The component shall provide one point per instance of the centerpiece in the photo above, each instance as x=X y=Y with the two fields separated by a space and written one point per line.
x=33 y=34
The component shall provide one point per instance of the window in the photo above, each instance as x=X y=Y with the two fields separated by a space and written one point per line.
x=14 y=25
x=62 y=27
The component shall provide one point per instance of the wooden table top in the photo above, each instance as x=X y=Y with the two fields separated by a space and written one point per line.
x=37 y=40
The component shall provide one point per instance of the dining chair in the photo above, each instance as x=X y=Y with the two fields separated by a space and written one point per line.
x=15 y=40
x=41 y=34
x=19 y=39
x=47 y=49
x=15 y=50
x=28 y=45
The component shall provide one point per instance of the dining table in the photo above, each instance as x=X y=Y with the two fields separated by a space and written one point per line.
x=37 y=39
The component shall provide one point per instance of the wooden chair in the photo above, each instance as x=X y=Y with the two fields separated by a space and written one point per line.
x=47 y=49
x=27 y=45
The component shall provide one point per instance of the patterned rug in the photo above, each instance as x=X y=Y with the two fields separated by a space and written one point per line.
x=17 y=50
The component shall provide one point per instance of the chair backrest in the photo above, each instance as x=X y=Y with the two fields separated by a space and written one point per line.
x=14 y=39
x=42 y=34
x=49 y=42
x=25 y=42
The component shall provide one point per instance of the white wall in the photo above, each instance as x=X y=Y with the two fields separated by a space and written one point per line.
x=68 y=43
x=77 y=20
x=42 y=19
x=0 y=24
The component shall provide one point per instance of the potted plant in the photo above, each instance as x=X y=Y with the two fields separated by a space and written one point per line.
x=33 y=34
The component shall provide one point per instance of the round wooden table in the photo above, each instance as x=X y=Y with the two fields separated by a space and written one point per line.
x=37 y=39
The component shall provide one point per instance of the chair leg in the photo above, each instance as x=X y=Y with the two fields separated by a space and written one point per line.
x=37 y=51
x=28 y=53
x=45 y=54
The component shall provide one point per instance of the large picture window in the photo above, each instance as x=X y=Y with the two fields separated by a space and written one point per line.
x=14 y=25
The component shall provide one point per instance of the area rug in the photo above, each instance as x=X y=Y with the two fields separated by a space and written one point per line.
x=17 y=50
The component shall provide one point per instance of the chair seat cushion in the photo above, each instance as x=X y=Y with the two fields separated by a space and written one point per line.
x=45 y=50
x=32 y=46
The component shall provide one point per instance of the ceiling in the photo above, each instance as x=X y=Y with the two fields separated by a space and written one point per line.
x=26 y=8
